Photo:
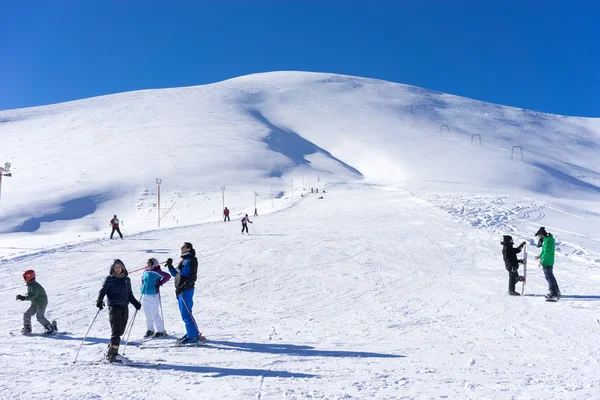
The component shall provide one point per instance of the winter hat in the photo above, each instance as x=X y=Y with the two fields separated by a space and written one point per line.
x=152 y=262
x=541 y=231
x=506 y=239
x=29 y=275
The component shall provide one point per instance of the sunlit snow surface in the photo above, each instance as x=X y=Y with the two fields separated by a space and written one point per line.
x=391 y=286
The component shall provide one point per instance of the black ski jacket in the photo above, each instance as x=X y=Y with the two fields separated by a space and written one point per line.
x=117 y=290
x=186 y=272
x=509 y=253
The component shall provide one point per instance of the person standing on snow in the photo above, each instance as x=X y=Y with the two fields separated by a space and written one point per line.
x=185 y=278
x=117 y=289
x=39 y=301
x=546 y=258
x=115 y=227
x=226 y=215
x=152 y=279
x=245 y=221
x=511 y=263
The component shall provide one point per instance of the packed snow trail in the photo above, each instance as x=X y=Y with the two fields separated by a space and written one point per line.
x=367 y=293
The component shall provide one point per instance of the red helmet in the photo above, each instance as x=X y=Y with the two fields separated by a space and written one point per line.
x=29 y=275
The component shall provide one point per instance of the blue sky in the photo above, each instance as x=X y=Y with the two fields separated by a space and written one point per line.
x=543 y=55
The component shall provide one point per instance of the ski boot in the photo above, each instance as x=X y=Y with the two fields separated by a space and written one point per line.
x=49 y=330
x=55 y=326
x=513 y=293
x=189 y=341
x=160 y=334
x=148 y=334
x=26 y=330
x=112 y=353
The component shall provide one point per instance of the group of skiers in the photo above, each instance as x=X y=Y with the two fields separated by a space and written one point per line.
x=119 y=294
x=546 y=261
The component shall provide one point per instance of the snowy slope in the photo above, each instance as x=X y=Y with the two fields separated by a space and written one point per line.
x=391 y=286
x=76 y=164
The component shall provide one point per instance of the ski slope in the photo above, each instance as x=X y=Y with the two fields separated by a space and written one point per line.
x=390 y=286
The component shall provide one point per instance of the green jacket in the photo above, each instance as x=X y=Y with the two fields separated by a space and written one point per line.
x=36 y=294
x=547 y=254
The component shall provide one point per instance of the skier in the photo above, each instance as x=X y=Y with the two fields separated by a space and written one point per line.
x=117 y=289
x=39 y=301
x=115 y=227
x=245 y=221
x=185 y=277
x=256 y=212
x=546 y=258
x=226 y=215
x=511 y=263
x=152 y=279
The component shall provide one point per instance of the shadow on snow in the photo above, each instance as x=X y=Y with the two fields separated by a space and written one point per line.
x=220 y=372
x=295 y=350
x=292 y=145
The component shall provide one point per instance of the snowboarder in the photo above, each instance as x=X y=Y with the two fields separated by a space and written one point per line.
x=546 y=258
x=39 y=301
x=511 y=263
x=115 y=227
x=185 y=278
x=152 y=279
x=117 y=289
x=245 y=221
x=226 y=215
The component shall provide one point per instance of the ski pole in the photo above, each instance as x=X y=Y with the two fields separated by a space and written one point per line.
x=139 y=269
x=193 y=319
x=86 y=334
x=131 y=328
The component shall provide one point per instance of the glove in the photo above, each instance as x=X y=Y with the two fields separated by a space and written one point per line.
x=20 y=297
x=169 y=262
x=523 y=244
x=137 y=306
x=251 y=222
x=100 y=304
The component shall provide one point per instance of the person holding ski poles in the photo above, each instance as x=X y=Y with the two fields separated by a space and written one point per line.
x=39 y=301
x=511 y=263
x=115 y=227
x=117 y=289
x=546 y=257
x=245 y=221
x=152 y=279
x=185 y=278
x=226 y=215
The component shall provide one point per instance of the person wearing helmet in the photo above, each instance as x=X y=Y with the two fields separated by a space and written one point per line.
x=39 y=301
x=117 y=289
x=245 y=221
x=152 y=279
x=511 y=263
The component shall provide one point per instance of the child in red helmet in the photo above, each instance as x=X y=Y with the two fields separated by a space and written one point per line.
x=39 y=301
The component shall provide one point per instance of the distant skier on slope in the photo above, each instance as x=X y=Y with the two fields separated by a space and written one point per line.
x=39 y=301
x=226 y=215
x=245 y=221
x=117 y=289
x=185 y=278
x=511 y=263
x=546 y=258
x=115 y=227
x=152 y=279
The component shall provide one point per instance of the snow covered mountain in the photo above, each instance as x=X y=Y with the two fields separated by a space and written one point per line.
x=76 y=164
x=390 y=286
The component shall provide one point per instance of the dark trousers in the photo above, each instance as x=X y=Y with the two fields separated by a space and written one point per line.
x=245 y=226
x=116 y=228
x=226 y=218
x=552 y=285
x=39 y=312
x=512 y=280
x=118 y=316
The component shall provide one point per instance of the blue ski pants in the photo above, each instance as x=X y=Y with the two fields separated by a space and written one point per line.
x=186 y=302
